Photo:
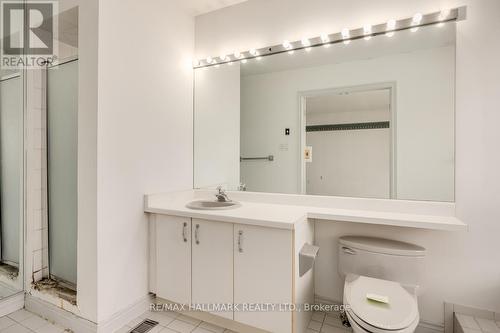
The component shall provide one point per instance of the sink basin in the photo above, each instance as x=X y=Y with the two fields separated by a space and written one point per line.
x=212 y=205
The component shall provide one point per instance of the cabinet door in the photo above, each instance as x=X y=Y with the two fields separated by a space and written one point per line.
x=173 y=257
x=213 y=264
x=263 y=275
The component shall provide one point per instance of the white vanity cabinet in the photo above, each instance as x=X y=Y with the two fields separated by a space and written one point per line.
x=212 y=264
x=254 y=268
x=263 y=271
x=173 y=258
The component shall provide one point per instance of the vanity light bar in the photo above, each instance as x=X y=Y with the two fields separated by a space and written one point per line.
x=388 y=28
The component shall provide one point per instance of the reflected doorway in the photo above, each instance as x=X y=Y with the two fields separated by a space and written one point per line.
x=347 y=142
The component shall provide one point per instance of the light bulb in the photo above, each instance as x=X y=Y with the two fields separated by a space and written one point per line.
x=417 y=18
x=287 y=45
x=196 y=63
x=345 y=35
x=444 y=14
x=209 y=60
x=391 y=25
x=223 y=58
x=237 y=55
x=307 y=44
x=254 y=52
x=367 y=29
x=325 y=39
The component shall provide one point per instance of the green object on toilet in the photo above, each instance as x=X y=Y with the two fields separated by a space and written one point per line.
x=378 y=298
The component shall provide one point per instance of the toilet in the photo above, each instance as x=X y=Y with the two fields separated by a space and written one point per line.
x=381 y=283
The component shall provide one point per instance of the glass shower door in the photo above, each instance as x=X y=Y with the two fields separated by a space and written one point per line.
x=62 y=133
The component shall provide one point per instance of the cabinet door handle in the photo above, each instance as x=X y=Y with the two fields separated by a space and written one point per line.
x=184 y=232
x=240 y=241
x=197 y=234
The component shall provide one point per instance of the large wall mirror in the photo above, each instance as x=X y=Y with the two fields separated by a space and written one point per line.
x=373 y=118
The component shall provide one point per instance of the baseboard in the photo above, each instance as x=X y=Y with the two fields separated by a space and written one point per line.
x=80 y=325
x=58 y=315
x=423 y=326
x=123 y=317
x=325 y=300
x=11 y=304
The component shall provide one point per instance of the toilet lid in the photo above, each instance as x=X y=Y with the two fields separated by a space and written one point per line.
x=398 y=314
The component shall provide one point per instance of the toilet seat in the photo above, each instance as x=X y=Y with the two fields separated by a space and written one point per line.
x=400 y=314
x=359 y=326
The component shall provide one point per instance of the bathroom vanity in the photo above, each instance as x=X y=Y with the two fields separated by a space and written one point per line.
x=215 y=263
x=246 y=260
x=235 y=268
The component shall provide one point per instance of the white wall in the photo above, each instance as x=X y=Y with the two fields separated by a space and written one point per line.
x=424 y=90
x=87 y=155
x=217 y=127
x=144 y=135
x=460 y=267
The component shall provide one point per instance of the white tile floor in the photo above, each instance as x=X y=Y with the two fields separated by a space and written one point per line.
x=171 y=322
x=23 y=321
x=327 y=323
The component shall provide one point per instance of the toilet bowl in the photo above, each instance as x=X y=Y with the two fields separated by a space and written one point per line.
x=400 y=314
x=381 y=283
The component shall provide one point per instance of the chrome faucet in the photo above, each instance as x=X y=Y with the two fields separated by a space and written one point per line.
x=221 y=195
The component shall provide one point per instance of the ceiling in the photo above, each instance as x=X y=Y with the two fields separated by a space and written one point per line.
x=199 y=7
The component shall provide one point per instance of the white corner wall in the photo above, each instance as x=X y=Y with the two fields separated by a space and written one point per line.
x=459 y=266
x=217 y=134
x=144 y=135
x=87 y=155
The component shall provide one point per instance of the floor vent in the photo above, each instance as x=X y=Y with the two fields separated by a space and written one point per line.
x=146 y=326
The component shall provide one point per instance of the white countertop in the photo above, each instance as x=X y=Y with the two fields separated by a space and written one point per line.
x=285 y=216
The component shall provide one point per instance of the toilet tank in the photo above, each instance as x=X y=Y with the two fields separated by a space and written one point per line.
x=381 y=258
